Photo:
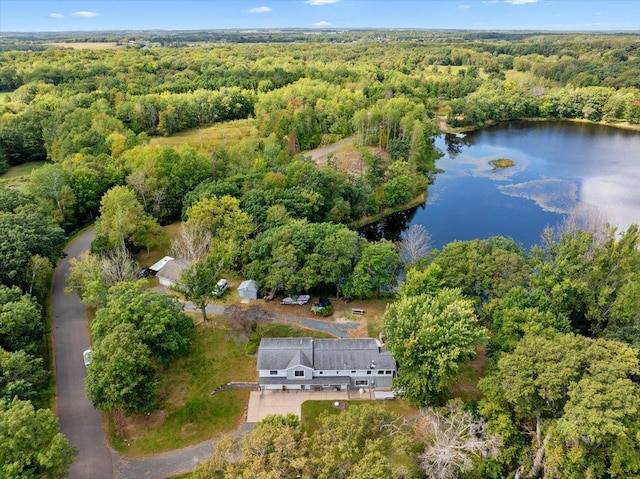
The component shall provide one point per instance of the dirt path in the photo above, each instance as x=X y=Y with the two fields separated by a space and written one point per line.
x=321 y=153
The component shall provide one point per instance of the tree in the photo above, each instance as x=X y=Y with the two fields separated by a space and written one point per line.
x=164 y=328
x=50 y=185
x=454 y=440
x=483 y=269
x=415 y=244
x=223 y=218
x=31 y=444
x=24 y=233
x=584 y=273
x=276 y=448
x=91 y=275
x=377 y=268
x=344 y=444
x=430 y=337
x=425 y=281
x=566 y=403
x=123 y=221
x=364 y=441
x=38 y=277
x=122 y=374
x=21 y=323
x=198 y=280
x=192 y=244
x=22 y=376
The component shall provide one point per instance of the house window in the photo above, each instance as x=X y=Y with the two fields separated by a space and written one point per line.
x=368 y=372
x=381 y=372
x=387 y=372
x=362 y=382
x=298 y=374
x=273 y=373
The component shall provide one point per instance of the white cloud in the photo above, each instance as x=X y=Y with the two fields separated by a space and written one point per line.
x=321 y=23
x=520 y=2
x=85 y=14
x=321 y=2
x=262 y=9
x=56 y=15
x=465 y=7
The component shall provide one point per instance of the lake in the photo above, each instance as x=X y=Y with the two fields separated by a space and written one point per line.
x=590 y=170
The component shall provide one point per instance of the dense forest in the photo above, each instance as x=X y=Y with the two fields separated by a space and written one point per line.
x=560 y=323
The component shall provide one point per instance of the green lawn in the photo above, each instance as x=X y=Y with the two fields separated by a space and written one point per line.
x=188 y=412
x=18 y=176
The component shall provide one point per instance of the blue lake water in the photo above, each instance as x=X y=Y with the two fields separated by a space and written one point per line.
x=590 y=171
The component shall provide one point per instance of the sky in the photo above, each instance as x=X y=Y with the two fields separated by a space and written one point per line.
x=87 y=15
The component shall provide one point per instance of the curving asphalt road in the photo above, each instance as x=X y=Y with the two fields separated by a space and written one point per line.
x=80 y=422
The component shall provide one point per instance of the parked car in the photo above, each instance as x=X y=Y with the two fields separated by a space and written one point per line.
x=298 y=300
x=143 y=273
x=221 y=286
x=86 y=357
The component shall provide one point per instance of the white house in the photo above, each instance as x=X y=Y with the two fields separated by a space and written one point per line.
x=317 y=364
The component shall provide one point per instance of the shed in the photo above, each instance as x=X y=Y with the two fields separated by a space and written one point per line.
x=248 y=290
x=170 y=273
x=155 y=267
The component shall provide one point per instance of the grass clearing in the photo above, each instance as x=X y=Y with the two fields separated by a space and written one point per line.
x=147 y=259
x=24 y=169
x=188 y=412
x=210 y=138
x=466 y=387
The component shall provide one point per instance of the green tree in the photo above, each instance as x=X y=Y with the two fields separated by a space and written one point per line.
x=163 y=327
x=50 y=185
x=122 y=374
x=483 y=269
x=223 y=218
x=22 y=376
x=24 y=233
x=565 y=404
x=31 y=444
x=277 y=447
x=422 y=281
x=430 y=337
x=123 y=222
x=21 y=323
x=91 y=275
x=198 y=280
x=377 y=268
x=345 y=444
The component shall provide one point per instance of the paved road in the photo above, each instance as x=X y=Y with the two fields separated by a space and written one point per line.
x=340 y=330
x=81 y=423
x=79 y=420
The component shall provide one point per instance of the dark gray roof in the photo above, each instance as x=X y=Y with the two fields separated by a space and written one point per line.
x=325 y=354
x=280 y=353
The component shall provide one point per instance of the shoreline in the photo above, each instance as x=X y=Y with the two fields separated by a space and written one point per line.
x=446 y=129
